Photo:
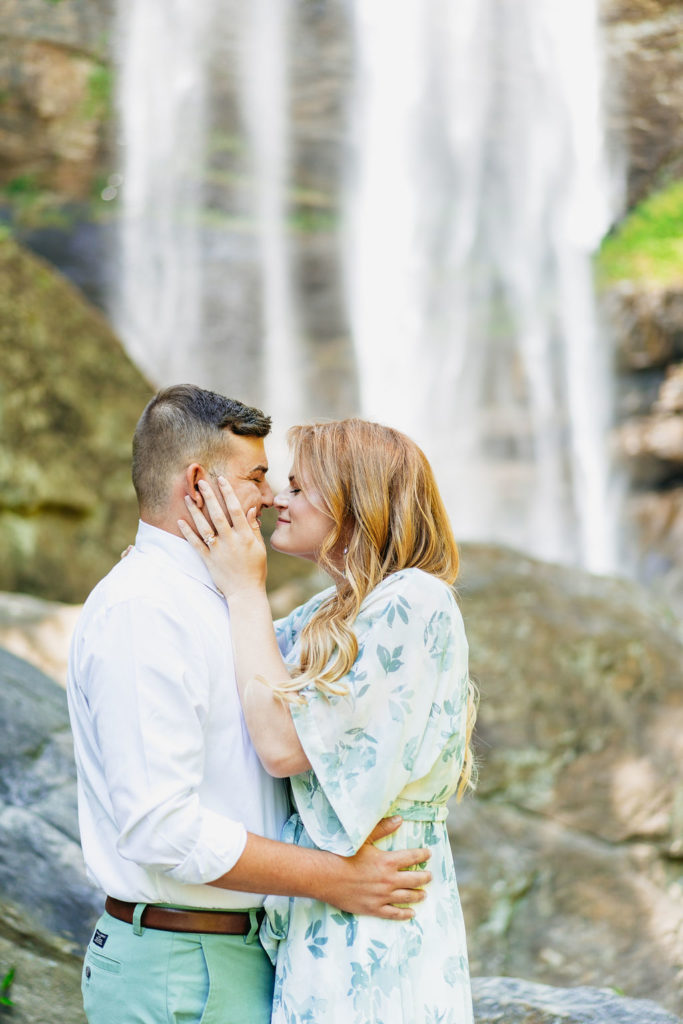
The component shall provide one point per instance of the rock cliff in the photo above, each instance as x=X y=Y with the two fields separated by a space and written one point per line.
x=69 y=401
x=570 y=857
x=55 y=77
x=553 y=886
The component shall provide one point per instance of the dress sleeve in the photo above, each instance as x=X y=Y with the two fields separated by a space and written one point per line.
x=288 y=628
x=404 y=710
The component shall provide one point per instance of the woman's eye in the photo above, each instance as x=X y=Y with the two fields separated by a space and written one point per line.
x=294 y=490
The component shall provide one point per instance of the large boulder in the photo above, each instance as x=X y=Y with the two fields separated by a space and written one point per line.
x=41 y=864
x=510 y=1001
x=69 y=401
x=569 y=858
x=47 y=906
x=570 y=855
x=38 y=631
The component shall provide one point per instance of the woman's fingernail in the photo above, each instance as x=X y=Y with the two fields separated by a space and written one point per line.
x=203 y=484
x=188 y=501
x=222 y=481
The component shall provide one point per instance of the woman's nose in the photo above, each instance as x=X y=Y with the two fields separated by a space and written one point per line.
x=280 y=500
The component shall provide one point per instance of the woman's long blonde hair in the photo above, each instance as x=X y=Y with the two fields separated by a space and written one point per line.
x=387 y=514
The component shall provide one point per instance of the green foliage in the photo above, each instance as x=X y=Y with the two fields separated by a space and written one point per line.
x=25 y=185
x=100 y=86
x=30 y=204
x=648 y=244
x=5 y=986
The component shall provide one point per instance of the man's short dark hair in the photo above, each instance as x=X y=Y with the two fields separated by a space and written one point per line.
x=180 y=425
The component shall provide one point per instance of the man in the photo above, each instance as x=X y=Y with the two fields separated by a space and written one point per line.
x=178 y=818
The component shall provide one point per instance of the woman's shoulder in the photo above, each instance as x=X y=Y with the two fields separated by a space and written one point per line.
x=418 y=582
x=415 y=589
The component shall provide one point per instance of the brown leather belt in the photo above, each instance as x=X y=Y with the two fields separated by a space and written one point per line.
x=168 y=919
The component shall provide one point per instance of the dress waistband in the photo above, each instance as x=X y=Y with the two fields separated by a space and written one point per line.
x=418 y=810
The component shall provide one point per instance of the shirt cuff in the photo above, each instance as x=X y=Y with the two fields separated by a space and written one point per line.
x=220 y=844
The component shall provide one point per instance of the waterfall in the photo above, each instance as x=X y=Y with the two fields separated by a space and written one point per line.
x=162 y=108
x=477 y=193
x=196 y=204
x=264 y=100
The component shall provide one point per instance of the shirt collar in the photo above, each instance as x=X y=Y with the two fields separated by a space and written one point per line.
x=158 y=543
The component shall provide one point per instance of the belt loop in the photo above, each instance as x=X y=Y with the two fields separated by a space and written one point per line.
x=137 y=918
x=253 y=929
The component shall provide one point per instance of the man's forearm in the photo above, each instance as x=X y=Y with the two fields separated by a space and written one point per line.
x=280 y=869
x=370 y=882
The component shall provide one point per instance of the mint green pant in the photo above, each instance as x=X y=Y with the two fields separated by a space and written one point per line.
x=174 y=977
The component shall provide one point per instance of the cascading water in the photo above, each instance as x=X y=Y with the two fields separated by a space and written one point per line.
x=191 y=198
x=162 y=100
x=265 y=95
x=478 y=191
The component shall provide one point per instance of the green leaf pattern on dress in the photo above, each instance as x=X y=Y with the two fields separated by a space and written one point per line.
x=393 y=744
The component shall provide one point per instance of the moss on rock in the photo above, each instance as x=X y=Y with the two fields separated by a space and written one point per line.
x=647 y=246
x=69 y=401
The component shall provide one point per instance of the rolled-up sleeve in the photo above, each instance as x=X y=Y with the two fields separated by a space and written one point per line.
x=148 y=693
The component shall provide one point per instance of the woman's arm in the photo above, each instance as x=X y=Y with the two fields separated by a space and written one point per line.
x=257 y=655
x=236 y=559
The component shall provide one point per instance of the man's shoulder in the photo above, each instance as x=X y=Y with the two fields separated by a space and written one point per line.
x=139 y=579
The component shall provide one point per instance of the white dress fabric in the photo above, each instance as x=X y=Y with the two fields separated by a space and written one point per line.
x=394 y=744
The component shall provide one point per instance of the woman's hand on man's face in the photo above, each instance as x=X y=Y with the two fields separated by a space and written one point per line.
x=230 y=542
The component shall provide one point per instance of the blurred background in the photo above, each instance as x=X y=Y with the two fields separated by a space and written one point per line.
x=463 y=219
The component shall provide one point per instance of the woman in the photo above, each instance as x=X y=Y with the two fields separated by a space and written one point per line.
x=361 y=695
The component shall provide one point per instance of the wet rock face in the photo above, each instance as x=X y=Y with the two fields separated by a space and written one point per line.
x=41 y=865
x=54 y=80
x=569 y=857
x=69 y=401
x=646 y=322
x=47 y=906
x=644 y=44
x=509 y=1001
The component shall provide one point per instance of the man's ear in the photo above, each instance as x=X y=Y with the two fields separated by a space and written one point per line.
x=193 y=474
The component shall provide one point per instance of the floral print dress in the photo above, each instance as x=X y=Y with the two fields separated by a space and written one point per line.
x=394 y=744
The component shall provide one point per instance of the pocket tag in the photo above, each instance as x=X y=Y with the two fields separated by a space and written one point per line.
x=99 y=938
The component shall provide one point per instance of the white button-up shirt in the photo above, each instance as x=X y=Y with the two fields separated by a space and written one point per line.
x=168 y=780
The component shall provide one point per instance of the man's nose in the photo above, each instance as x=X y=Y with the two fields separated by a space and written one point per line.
x=267 y=495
